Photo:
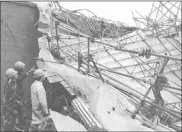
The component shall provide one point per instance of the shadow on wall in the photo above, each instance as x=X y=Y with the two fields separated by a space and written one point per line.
x=19 y=38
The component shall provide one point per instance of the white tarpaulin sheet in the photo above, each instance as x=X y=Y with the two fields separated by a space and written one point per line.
x=102 y=99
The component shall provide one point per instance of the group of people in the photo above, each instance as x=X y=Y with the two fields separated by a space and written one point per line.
x=13 y=97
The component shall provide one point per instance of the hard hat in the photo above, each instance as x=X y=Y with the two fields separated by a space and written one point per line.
x=38 y=73
x=10 y=73
x=19 y=65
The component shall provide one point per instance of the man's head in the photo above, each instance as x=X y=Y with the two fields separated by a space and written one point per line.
x=39 y=75
x=10 y=74
x=19 y=67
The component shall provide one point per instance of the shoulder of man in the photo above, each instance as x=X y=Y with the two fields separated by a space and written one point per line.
x=37 y=84
x=21 y=77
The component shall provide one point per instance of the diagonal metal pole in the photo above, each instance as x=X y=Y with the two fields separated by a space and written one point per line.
x=130 y=76
x=154 y=85
x=126 y=91
x=117 y=61
x=168 y=51
x=88 y=53
x=168 y=10
x=153 y=54
x=174 y=114
x=97 y=70
x=112 y=71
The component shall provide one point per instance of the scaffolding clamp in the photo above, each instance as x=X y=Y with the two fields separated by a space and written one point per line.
x=117 y=48
x=92 y=40
x=145 y=53
x=80 y=61
x=162 y=79
x=96 y=68
x=48 y=39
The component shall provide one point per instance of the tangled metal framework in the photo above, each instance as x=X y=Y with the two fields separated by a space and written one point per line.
x=108 y=51
x=93 y=25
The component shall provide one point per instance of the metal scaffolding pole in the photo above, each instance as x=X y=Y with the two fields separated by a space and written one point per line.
x=124 y=74
x=88 y=51
x=154 y=85
x=132 y=94
x=154 y=54
x=104 y=71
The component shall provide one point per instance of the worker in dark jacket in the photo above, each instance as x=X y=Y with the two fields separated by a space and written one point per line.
x=10 y=83
x=21 y=76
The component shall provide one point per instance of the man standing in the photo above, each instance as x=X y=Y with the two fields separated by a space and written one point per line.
x=21 y=76
x=40 y=111
x=10 y=84
x=20 y=68
x=9 y=113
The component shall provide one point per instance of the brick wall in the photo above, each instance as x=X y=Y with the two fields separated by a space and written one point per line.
x=21 y=43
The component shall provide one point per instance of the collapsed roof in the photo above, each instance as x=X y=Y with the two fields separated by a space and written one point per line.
x=115 y=46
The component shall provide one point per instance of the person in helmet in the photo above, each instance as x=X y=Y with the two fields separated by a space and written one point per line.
x=39 y=101
x=21 y=76
x=8 y=110
x=20 y=68
x=10 y=83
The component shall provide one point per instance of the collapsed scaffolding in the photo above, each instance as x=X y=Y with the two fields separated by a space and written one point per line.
x=85 y=41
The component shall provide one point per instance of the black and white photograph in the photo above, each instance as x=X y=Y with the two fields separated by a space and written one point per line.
x=90 y=66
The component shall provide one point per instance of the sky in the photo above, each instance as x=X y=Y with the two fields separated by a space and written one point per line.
x=116 y=11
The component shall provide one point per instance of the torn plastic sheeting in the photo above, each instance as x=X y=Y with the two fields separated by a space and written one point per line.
x=88 y=85
x=124 y=99
x=100 y=95
x=111 y=115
